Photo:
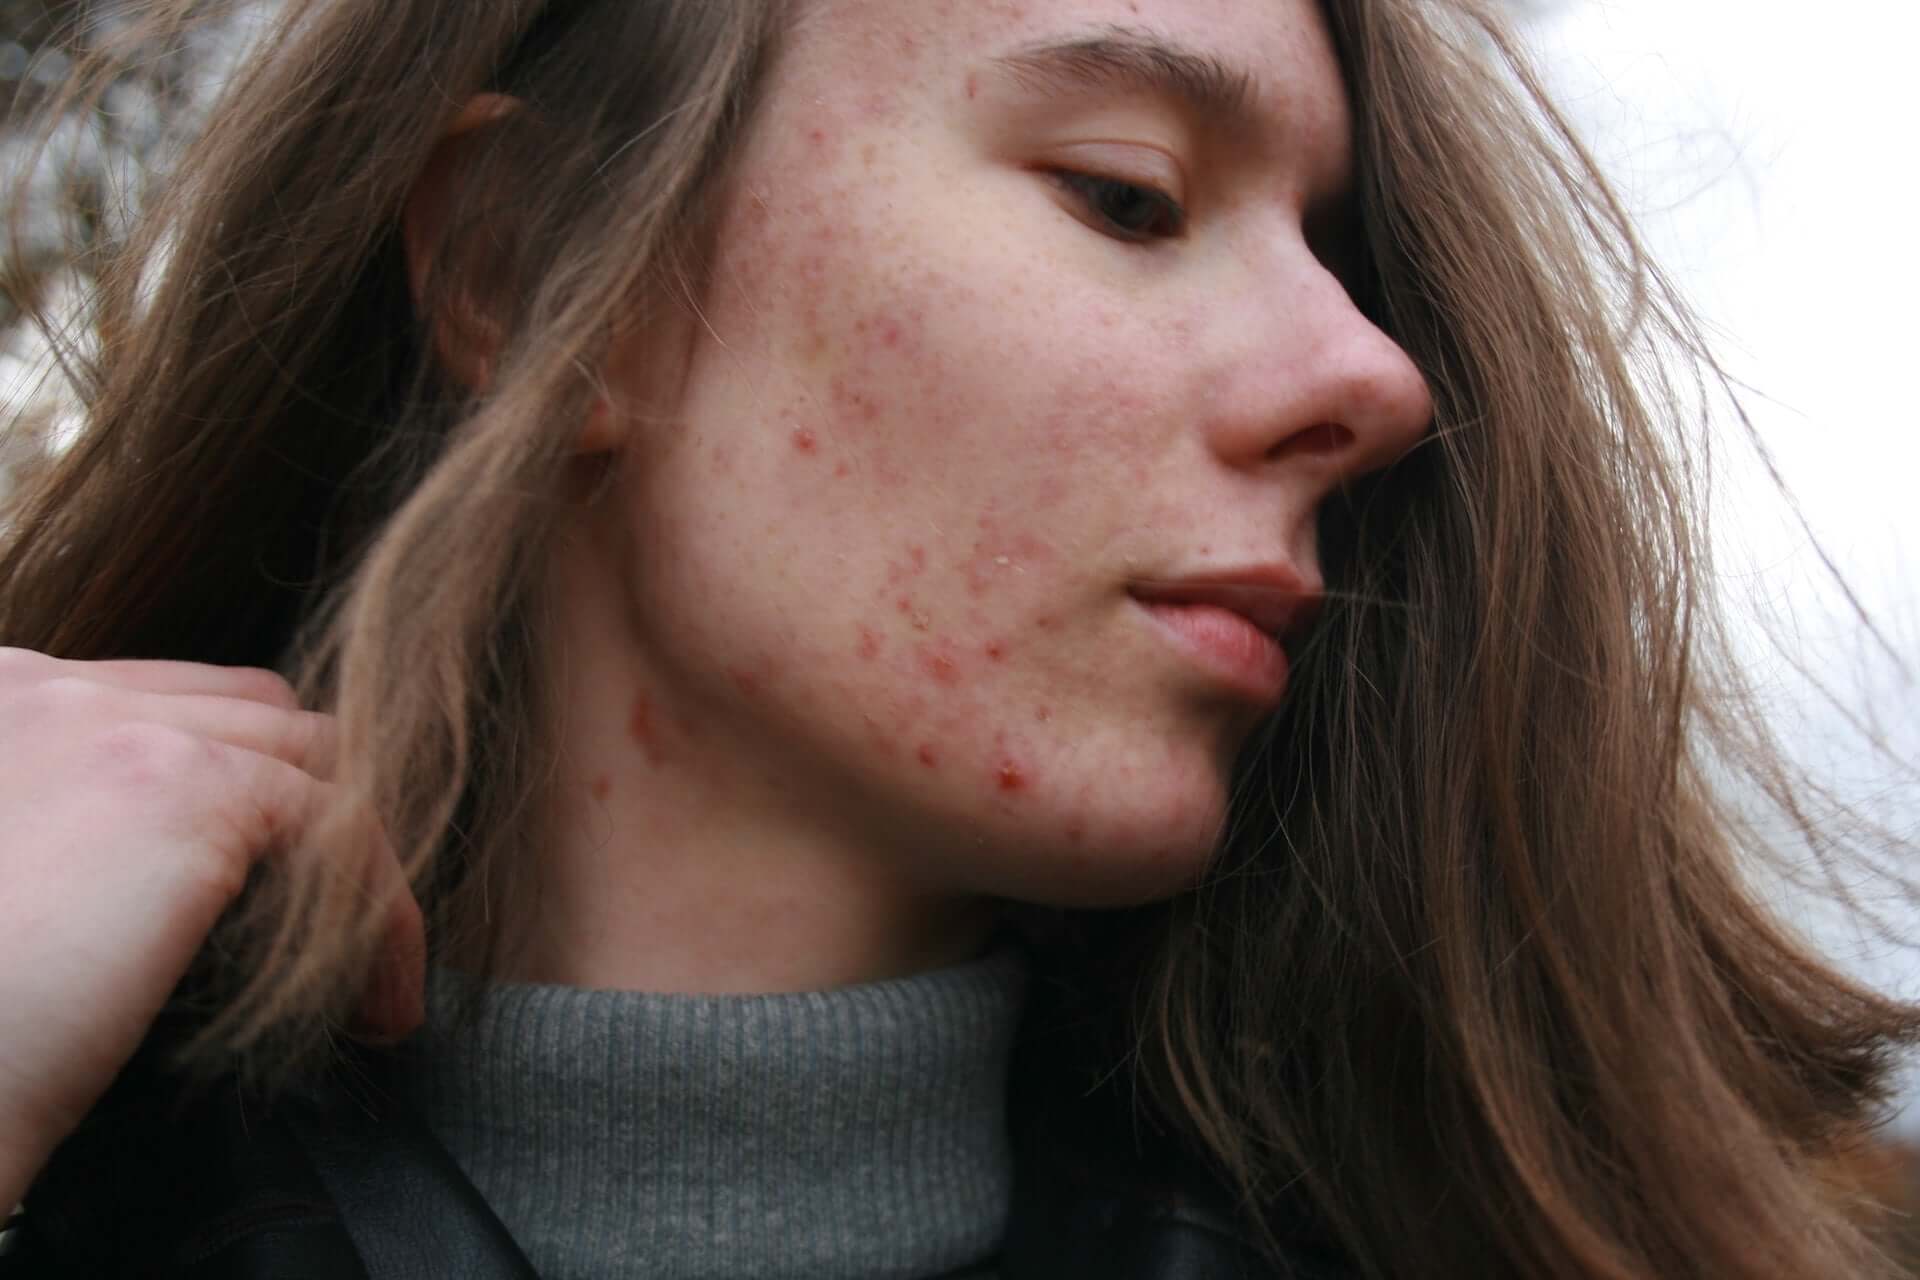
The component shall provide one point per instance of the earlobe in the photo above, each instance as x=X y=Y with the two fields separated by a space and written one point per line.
x=466 y=333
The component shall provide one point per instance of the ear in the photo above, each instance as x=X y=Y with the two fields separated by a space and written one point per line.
x=466 y=332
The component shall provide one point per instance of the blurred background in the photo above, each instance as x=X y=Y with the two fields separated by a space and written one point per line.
x=1761 y=145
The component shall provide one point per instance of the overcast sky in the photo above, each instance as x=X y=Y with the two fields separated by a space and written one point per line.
x=1769 y=149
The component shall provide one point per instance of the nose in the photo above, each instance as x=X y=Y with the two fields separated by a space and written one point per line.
x=1312 y=383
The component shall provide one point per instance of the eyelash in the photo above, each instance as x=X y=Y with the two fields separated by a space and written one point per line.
x=1090 y=189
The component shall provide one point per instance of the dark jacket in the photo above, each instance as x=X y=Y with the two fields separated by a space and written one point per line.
x=342 y=1182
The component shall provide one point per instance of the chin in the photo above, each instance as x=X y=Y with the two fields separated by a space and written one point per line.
x=1113 y=863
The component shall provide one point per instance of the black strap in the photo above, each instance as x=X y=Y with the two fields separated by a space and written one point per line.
x=411 y=1212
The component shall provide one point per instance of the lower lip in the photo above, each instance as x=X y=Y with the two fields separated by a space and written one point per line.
x=1233 y=649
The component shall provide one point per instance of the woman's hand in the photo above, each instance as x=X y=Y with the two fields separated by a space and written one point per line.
x=135 y=798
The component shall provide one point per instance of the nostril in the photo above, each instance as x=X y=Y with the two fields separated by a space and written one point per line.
x=1325 y=438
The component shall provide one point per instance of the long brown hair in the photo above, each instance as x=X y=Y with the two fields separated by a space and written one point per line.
x=1476 y=968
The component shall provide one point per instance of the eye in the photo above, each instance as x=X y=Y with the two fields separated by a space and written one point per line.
x=1125 y=210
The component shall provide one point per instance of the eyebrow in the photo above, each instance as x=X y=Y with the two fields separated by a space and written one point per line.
x=1135 y=61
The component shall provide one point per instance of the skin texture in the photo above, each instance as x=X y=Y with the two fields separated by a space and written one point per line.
x=851 y=649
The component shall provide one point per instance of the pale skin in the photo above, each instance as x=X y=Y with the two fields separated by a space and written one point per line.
x=866 y=635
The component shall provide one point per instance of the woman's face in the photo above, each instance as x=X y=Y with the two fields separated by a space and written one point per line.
x=1025 y=366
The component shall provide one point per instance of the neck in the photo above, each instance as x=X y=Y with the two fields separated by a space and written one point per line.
x=674 y=860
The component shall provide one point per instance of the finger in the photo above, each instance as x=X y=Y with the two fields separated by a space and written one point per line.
x=394 y=1004
x=294 y=805
x=306 y=740
x=253 y=684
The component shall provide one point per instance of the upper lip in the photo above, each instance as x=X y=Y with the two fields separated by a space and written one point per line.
x=1276 y=598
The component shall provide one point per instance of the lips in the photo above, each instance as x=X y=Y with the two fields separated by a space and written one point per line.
x=1234 y=626
x=1276 y=599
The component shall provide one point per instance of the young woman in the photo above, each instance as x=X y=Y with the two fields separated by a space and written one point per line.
x=1060 y=636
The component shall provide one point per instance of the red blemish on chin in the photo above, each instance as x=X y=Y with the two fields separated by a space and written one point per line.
x=973 y=86
x=745 y=681
x=996 y=651
x=818 y=137
x=869 y=647
x=1043 y=714
x=843 y=470
x=602 y=787
x=919 y=555
x=926 y=756
x=805 y=441
x=1010 y=776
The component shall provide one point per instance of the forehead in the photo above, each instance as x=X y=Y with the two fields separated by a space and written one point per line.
x=917 y=54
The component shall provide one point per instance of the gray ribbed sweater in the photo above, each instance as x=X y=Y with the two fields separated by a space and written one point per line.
x=852 y=1133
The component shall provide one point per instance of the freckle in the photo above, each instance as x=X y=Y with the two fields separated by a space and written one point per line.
x=869 y=643
x=926 y=755
x=1010 y=777
x=1045 y=622
x=805 y=441
x=602 y=787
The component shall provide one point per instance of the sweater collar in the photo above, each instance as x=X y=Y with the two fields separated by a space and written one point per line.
x=854 y=1132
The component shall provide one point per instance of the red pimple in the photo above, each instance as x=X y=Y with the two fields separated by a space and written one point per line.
x=818 y=137
x=973 y=86
x=641 y=728
x=602 y=787
x=942 y=668
x=805 y=441
x=919 y=557
x=842 y=471
x=996 y=651
x=926 y=755
x=1043 y=714
x=1010 y=777
x=869 y=643
x=745 y=681
x=1030 y=549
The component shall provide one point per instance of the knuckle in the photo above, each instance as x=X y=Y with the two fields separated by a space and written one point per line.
x=52 y=703
x=145 y=756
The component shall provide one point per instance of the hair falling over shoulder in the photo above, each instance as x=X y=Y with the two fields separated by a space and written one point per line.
x=1478 y=970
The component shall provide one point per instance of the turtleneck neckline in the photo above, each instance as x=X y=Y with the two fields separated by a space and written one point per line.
x=855 y=1132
